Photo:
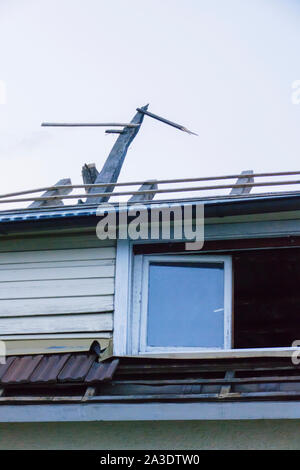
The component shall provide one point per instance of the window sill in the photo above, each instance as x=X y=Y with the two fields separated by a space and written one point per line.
x=218 y=354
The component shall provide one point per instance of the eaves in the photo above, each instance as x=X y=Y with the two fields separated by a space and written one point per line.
x=20 y=220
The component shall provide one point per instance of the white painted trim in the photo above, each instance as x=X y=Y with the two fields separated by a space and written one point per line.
x=137 y=324
x=221 y=353
x=191 y=411
x=54 y=346
x=122 y=290
x=225 y=228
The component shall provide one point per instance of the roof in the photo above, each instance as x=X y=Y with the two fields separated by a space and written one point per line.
x=76 y=216
x=55 y=369
x=78 y=377
x=53 y=204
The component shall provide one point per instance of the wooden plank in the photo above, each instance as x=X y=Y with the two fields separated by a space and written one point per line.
x=113 y=164
x=57 y=288
x=46 y=346
x=58 y=255
x=153 y=368
x=37 y=399
x=53 y=192
x=151 y=397
x=220 y=354
x=166 y=121
x=90 y=392
x=53 y=306
x=89 y=173
x=54 y=272
x=214 y=381
x=224 y=245
x=225 y=389
x=50 y=265
x=56 y=324
x=54 y=242
x=135 y=183
x=145 y=197
x=246 y=189
x=65 y=336
x=99 y=197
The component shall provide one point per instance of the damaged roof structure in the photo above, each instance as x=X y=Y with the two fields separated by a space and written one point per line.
x=104 y=338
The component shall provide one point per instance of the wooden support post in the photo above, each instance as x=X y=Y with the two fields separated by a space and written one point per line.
x=245 y=189
x=90 y=392
x=225 y=389
x=145 y=197
x=112 y=167
x=89 y=173
x=53 y=192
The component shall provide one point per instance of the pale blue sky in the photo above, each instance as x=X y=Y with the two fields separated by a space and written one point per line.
x=223 y=68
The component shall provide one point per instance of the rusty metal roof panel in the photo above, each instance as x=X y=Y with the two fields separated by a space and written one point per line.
x=102 y=371
x=76 y=368
x=53 y=368
x=21 y=369
x=49 y=368
x=5 y=367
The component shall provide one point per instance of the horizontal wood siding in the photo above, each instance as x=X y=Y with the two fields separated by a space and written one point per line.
x=58 y=324
x=55 y=306
x=57 y=285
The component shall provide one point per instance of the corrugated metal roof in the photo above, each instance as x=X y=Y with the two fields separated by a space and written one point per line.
x=21 y=369
x=18 y=215
x=4 y=367
x=41 y=214
x=102 y=371
x=146 y=380
x=49 y=368
x=76 y=368
x=55 y=368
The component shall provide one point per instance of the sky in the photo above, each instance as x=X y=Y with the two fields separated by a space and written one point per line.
x=222 y=68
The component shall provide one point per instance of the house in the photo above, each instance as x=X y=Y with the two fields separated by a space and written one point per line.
x=151 y=343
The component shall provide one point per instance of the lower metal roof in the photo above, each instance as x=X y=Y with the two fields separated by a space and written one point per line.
x=77 y=377
x=55 y=368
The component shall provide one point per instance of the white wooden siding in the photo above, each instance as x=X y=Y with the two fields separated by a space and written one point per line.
x=58 y=323
x=56 y=285
x=56 y=288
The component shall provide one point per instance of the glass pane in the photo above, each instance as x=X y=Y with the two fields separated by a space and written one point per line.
x=186 y=305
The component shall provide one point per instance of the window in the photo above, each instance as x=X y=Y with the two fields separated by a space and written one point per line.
x=266 y=298
x=168 y=303
x=181 y=303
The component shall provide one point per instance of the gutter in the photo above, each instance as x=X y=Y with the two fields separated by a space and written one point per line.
x=192 y=411
x=77 y=217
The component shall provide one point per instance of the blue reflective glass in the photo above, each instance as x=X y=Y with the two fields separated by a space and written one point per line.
x=186 y=305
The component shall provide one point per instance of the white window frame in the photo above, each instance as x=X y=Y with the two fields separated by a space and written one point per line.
x=131 y=301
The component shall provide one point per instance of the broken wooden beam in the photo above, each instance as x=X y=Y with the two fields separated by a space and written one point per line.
x=148 y=185
x=166 y=121
x=53 y=192
x=112 y=167
x=243 y=180
x=89 y=173
x=114 y=131
x=89 y=124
